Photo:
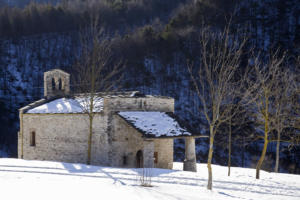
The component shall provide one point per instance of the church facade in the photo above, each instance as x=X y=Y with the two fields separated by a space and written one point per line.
x=129 y=129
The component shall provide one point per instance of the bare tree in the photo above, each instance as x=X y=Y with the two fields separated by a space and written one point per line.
x=281 y=114
x=215 y=80
x=235 y=124
x=262 y=84
x=97 y=71
x=286 y=120
x=229 y=146
x=296 y=99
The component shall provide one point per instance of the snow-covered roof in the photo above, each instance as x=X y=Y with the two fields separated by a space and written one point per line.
x=154 y=124
x=69 y=105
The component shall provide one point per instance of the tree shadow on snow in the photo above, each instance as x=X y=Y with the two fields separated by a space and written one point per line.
x=79 y=168
x=158 y=176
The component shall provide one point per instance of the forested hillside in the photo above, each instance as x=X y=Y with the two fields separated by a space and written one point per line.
x=155 y=38
x=23 y=3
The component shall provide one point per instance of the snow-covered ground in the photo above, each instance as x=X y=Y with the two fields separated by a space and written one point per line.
x=21 y=179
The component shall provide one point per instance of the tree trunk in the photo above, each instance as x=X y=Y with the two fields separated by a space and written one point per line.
x=91 y=117
x=262 y=157
x=243 y=154
x=90 y=140
x=229 y=149
x=91 y=114
x=210 y=154
x=263 y=154
x=277 y=152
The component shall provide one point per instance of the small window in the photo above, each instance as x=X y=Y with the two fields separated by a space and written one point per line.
x=32 y=139
x=60 y=84
x=53 y=84
x=125 y=160
x=155 y=157
x=141 y=104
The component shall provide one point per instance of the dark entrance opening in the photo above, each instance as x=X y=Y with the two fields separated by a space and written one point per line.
x=139 y=159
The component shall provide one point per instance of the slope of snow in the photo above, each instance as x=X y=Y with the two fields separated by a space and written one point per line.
x=66 y=105
x=21 y=179
x=154 y=123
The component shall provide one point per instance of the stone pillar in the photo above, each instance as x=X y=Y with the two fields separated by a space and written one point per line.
x=148 y=154
x=189 y=163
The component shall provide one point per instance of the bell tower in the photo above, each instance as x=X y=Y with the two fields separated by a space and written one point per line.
x=56 y=83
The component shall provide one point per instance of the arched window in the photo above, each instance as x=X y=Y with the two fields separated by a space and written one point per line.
x=59 y=84
x=32 y=139
x=53 y=84
x=155 y=157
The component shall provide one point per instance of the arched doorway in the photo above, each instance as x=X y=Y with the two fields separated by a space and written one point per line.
x=139 y=159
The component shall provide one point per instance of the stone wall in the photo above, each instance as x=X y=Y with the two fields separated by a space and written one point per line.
x=148 y=103
x=127 y=141
x=63 y=137
x=56 y=142
x=148 y=153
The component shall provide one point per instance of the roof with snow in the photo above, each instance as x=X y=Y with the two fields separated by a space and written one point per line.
x=154 y=124
x=68 y=105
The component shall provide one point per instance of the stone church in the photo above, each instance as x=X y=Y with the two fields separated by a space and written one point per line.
x=129 y=129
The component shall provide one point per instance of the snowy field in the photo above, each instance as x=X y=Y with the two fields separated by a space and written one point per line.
x=20 y=179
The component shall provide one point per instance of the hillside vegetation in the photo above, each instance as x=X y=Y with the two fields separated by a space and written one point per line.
x=156 y=38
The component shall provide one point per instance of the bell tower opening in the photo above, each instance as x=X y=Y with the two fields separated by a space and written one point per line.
x=56 y=83
x=53 y=84
x=60 y=84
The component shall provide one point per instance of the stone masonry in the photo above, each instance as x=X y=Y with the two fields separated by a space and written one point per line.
x=64 y=136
